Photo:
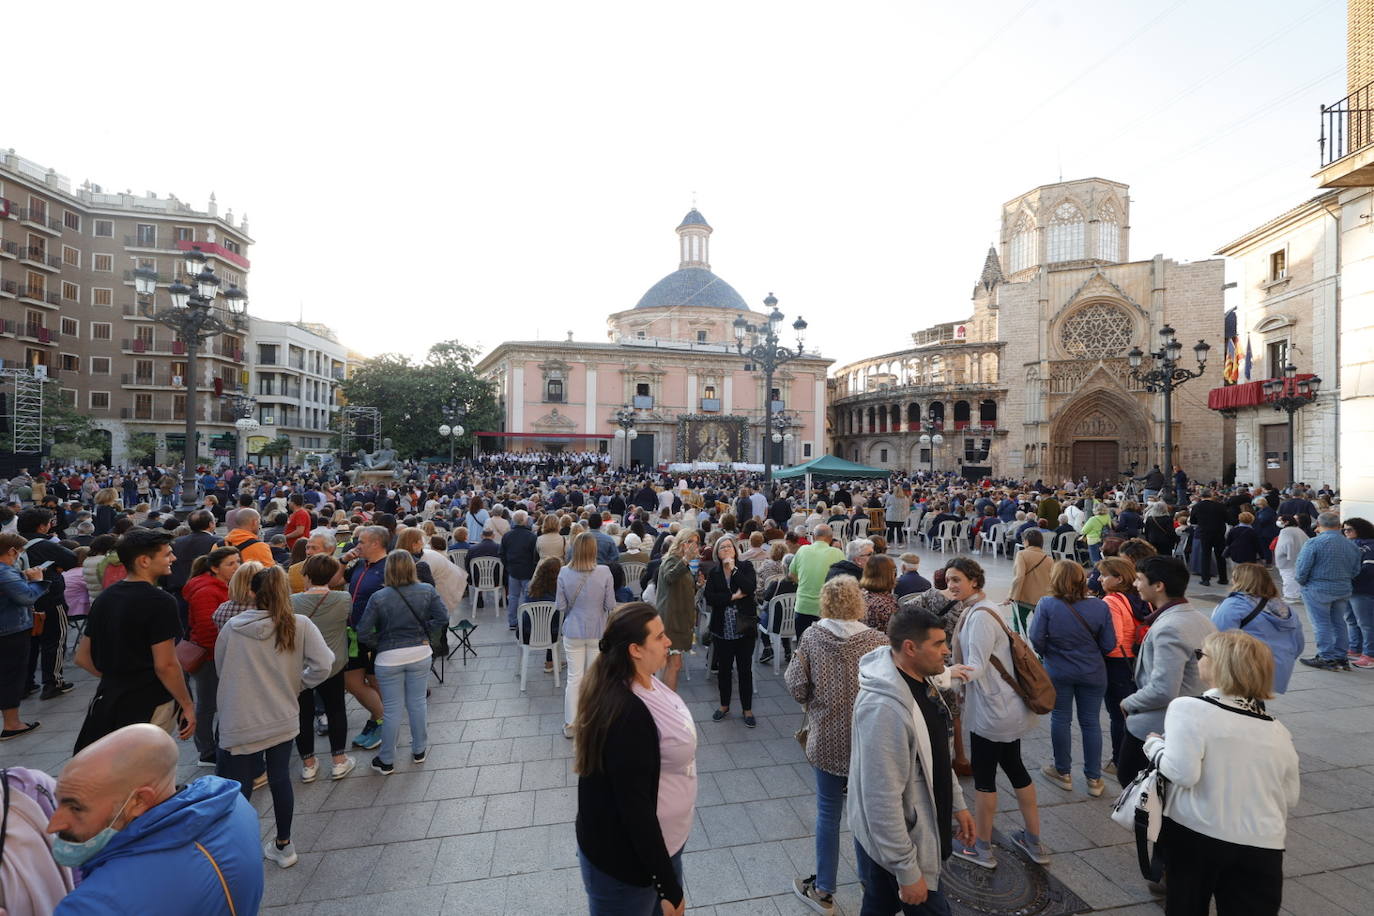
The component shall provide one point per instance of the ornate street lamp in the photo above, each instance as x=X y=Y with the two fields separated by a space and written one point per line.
x=625 y=420
x=246 y=424
x=769 y=354
x=452 y=427
x=931 y=440
x=1165 y=374
x=1291 y=394
x=194 y=318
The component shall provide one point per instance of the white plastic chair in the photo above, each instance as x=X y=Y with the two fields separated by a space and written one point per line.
x=458 y=557
x=1063 y=546
x=487 y=578
x=913 y=526
x=633 y=572
x=948 y=534
x=542 y=615
x=992 y=539
x=858 y=529
x=927 y=523
x=782 y=613
x=962 y=537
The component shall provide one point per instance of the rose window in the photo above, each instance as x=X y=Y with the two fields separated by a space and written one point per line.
x=1099 y=330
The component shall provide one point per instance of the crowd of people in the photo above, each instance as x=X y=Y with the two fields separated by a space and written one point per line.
x=246 y=625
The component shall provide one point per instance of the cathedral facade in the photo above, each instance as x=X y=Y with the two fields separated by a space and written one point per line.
x=1036 y=382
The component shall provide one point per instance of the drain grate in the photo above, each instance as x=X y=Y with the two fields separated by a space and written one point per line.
x=1016 y=887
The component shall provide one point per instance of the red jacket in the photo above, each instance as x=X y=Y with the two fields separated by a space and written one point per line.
x=203 y=594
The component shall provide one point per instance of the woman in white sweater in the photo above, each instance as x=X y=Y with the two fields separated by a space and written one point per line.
x=1233 y=777
x=1291 y=539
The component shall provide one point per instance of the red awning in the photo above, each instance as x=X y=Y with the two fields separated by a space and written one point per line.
x=1247 y=394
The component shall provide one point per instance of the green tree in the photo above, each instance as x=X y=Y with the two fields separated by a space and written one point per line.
x=140 y=447
x=412 y=397
x=64 y=425
x=279 y=447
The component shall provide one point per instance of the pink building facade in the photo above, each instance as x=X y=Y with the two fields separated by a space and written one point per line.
x=672 y=360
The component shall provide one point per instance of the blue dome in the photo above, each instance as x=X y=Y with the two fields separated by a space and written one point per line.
x=693 y=286
x=693 y=218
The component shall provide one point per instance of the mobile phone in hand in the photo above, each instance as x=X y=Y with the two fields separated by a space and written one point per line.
x=44 y=565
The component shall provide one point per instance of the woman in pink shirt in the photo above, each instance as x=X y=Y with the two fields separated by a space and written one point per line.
x=635 y=759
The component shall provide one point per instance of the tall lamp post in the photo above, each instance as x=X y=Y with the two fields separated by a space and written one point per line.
x=193 y=316
x=782 y=432
x=625 y=420
x=452 y=428
x=244 y=406
x=769 y=354
x=1165 y=374
x=1291 y=395
x=931 y=439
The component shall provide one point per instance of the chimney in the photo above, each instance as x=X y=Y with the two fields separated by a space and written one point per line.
x=212 y=208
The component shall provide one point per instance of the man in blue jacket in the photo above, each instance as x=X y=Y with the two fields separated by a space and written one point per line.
x=144 y=847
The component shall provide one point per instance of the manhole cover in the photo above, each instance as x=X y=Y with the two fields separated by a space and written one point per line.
x=1016 y=887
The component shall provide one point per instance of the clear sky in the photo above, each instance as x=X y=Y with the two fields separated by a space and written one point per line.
x=487 y=171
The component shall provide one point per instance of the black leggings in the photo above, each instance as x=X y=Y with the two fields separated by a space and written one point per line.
x=986 y=756
x=241 y=767
x=14 y=667
x=740 y=653
x=1245 y=880
x=331 y=692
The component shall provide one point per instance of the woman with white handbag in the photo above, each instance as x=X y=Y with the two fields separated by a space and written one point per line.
x=1232 y=776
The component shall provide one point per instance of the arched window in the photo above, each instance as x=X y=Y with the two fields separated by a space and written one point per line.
x=913 y=416
x=1066 y=234
x=1109 y=234
x=1022 y=248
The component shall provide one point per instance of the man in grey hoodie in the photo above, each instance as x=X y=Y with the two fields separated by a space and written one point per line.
x=902 y=792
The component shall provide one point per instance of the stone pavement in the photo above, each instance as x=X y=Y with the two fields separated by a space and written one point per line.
x=485 y=826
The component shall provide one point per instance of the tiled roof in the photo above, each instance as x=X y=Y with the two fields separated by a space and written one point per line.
x=694 y=286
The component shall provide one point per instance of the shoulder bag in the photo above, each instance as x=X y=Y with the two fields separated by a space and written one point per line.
x=1031 y=682
x=190 y=656
x=1253 y=614
x=438 y=637
x=1140 y=808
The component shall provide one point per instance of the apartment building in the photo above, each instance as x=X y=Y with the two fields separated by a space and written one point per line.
x=295 y=373
x=67 y=303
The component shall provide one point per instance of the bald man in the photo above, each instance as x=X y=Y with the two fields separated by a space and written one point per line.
x=145 y=847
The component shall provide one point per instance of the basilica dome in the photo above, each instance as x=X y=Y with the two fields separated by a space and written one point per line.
x=693 y=284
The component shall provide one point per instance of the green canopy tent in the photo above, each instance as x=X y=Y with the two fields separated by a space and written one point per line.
x=829 y=467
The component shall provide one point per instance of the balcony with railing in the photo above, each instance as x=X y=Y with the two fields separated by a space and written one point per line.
x=37 y=295
x=1347 y=141
x=9 y=288
x=34 y=256
x=37 y=218
x=9 y=249
x=36 y=333
x=178 y=246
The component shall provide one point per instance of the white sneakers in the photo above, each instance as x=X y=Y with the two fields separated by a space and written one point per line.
x=340 y=770
x=284 y=856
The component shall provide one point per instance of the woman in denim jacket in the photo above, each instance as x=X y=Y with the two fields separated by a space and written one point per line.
x=396 y=623
x=18 y=593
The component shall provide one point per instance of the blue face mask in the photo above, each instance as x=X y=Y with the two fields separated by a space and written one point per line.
x=65 y=852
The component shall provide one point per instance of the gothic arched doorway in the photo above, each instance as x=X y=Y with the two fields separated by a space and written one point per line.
x=1098 y=435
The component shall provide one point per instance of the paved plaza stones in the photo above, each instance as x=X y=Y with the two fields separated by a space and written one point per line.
x=485 y=825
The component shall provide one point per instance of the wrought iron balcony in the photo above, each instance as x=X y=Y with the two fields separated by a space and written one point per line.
x=1347 y=141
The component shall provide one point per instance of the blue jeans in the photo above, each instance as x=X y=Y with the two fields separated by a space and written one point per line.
x=517 y=590
x=1095 y=553
x=402 y=686
x=607 y=896
x=881 y=891
x=829 y=806
x=1359 y=623
x=1328 y=623
x=1088 y=697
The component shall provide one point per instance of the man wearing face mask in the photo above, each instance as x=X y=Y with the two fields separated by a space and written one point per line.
x=144 y=847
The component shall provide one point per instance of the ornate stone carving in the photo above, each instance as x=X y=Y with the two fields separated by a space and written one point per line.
x=552 y=421
x=1095 y=425
x=1097 y=330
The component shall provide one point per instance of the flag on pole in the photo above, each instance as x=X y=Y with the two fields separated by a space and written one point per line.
x=1249 y=357
x=1230 y=369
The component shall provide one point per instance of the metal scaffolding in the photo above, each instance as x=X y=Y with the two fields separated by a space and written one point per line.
x=26 y=418
x=359 y=427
